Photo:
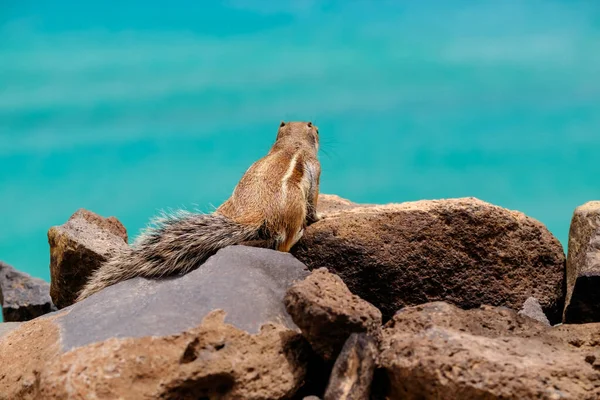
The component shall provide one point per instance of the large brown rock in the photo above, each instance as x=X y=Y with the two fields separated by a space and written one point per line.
x=323 y=307
x=77 y=249
x=583 y=266
x=22 y=296
x=438 y=351
x=220 y=331
x=463 y=251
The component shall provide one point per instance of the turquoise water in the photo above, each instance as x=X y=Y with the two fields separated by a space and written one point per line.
x=125 y=108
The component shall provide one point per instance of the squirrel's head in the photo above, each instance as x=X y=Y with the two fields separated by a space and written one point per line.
x=299 y=132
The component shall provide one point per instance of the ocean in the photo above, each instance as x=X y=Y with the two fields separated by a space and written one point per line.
x=127 y=108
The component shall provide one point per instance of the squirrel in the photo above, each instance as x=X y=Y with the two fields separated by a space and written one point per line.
x=270 y=207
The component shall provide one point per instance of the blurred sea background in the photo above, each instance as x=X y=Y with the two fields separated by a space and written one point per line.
x=129 y=107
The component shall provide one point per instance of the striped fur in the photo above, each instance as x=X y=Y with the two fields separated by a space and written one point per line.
x=270 y=207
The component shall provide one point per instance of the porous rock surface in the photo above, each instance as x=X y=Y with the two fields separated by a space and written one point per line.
x=220 y=331
x=464 y=251
x=583 y=265
x=327 y=312
x=77 y=249
x=22 y=296
x=437 y=351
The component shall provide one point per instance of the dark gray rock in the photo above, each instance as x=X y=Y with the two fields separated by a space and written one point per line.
x=249 y=284
x=22 y=296
x=353 y=370
x=77 y=249
x=533 y=309
x=221 y=331
x=583 y=266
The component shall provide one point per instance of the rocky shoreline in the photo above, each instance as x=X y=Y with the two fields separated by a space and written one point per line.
x=445 y=299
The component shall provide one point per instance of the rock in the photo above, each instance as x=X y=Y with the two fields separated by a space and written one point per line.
x=22 y=296
x=329 y=203
x=327 y=313
x=6 y=327
x=583 y=266
x=438 y=351
x=110 y=224
x=353 y=370
x=219 y=331
x=533 y=309
x=463 y=251
x=77 y=249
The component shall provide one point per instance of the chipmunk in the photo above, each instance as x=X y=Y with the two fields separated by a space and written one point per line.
x=275 y=200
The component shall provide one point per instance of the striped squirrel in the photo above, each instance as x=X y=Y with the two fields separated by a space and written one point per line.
x=275 y=200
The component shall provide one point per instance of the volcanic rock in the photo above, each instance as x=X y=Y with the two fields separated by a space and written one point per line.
x=327 y=312
x=583 y=266
x=220 y=331
x=533 y=309
x=438 y=351
x=77 y=249
x=22 y=296
x=464 y=251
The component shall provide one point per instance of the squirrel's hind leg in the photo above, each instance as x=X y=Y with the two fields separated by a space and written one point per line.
x=289 y=241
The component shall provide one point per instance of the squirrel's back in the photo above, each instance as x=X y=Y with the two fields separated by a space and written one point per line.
x=270 y=207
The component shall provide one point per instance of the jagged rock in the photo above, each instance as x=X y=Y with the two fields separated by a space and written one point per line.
x=438 y=351
x=583 y=266
x=463 y=251
x=77 y=249
x=220 y=331
x=327 y=312
x=353 y=370
x=22 y=296
x=533 y=309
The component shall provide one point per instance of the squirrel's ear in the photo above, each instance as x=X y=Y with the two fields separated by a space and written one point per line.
x=310 y=124
x=282 y=124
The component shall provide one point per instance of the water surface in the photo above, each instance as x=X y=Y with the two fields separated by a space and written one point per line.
x=126 y=108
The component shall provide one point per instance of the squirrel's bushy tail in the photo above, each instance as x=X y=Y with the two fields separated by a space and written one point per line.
x=176 y=244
